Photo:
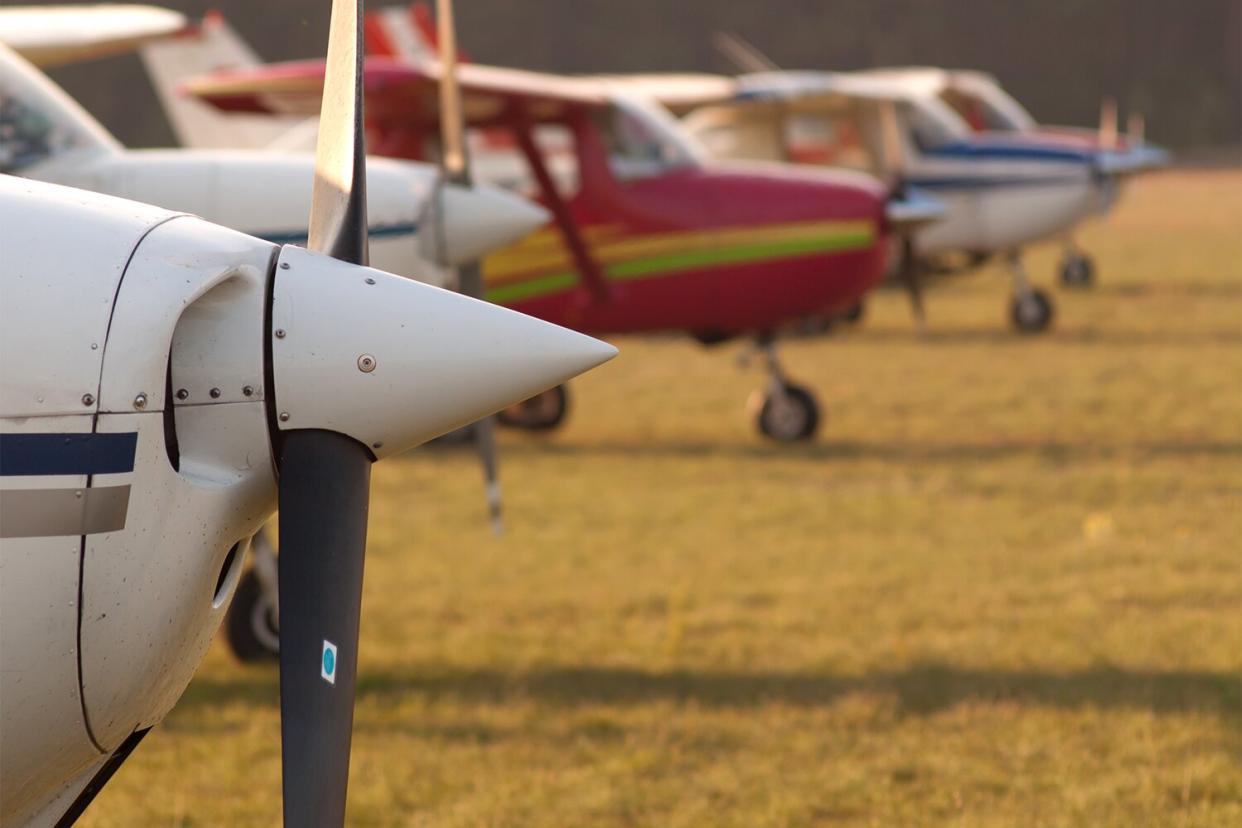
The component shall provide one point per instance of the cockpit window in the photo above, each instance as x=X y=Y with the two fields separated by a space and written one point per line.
x=978 y=112
x=27 y=135
x=984 y=105
x=643 y=140
x=933 y=124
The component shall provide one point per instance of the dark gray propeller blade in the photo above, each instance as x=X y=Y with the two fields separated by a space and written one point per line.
x=324 y=488
x=909 y=270
x=455 y=164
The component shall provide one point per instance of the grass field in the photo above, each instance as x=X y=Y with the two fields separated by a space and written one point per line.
x=1004 y=588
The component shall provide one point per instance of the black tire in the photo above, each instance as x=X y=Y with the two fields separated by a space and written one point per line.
x=791 y=417
x=250 y=626
x=1077 y=271
x=542 y=412
x=856 y=313
x=1031 y=312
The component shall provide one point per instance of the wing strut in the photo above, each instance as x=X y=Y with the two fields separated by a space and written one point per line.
x=588 y=268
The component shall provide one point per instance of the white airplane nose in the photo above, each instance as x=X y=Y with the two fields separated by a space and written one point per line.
x=393 y=362
x=479 y=220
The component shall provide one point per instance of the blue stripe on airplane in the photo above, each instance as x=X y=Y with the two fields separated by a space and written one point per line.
x=1013 y=152
x=39 y=454
x=967 y=183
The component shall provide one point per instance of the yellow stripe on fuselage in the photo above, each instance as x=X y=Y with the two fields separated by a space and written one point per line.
x=546 y=253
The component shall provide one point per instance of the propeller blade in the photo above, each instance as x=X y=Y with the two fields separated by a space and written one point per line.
x=905 y=214
x=324 y=487
x=1108 y=123
x=911 y=276
x=470 y=282
x=455 y=164
x=890 y=138
x=452 y=126
x=338 y=220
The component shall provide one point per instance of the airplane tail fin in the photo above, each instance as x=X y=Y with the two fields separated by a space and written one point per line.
x=211 y=46
x=402 y=32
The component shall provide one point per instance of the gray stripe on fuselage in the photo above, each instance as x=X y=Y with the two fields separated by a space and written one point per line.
x=45 y=513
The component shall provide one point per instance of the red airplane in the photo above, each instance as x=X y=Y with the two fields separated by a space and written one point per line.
x=648 y=234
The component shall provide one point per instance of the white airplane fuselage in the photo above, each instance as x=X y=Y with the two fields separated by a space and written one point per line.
x=97 y=509
x=414 y=223
x=1003 y=196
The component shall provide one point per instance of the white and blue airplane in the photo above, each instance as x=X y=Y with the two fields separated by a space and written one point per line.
x=1003 y=189
x=422 y=226
x=165 y=384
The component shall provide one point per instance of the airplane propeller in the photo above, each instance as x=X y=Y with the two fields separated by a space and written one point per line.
x=356 y=379
x=1108 y=123
x=324 y=488
x=905 y=212
x=455 y=169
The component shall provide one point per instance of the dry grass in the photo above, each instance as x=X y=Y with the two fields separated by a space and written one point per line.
x=1004 y=588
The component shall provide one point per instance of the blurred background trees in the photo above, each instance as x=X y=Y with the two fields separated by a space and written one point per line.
x=1177 y=62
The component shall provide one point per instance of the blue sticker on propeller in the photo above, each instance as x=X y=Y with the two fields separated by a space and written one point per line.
x=327 y=665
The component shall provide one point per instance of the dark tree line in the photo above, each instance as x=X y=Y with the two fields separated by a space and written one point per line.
x=1178 y=62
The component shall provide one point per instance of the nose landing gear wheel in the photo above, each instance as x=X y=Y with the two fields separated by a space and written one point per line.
x=1077 y=271
x=1031 y=312
x=788 y=414
x=542 y=412
x=251 y=627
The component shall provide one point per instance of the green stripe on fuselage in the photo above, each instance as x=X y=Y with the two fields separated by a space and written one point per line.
x=689 y=260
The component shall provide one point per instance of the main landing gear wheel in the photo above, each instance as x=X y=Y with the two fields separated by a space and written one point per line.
x=251 y=627
x=542 y=412
x=1077 y=271
x=1031 y=311
x=788 y=414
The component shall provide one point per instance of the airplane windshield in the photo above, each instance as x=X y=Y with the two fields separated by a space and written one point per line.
x=27 y=135
x=933 y=124
x=644 y=140
x=984 y=106
x=38 y=121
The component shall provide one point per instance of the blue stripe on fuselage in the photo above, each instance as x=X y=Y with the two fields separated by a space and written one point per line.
x=383 y=231
x=39 y=454
x=979 y=150
x=942 y=183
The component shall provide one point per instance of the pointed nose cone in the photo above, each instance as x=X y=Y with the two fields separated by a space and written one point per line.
x=393 y=363
x=480 y=220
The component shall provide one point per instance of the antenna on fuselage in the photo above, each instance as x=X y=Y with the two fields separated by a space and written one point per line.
x=742 y=53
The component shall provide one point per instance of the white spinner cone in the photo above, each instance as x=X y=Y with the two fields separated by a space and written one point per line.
x=478 y=220
x=393 y=363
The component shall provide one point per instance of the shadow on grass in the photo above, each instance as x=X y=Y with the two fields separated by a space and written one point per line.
x=919 y=690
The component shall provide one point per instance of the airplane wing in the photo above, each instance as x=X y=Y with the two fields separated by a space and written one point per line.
x=402 y=94
x=679 y=93
x=409 y=33
x=54 y=35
